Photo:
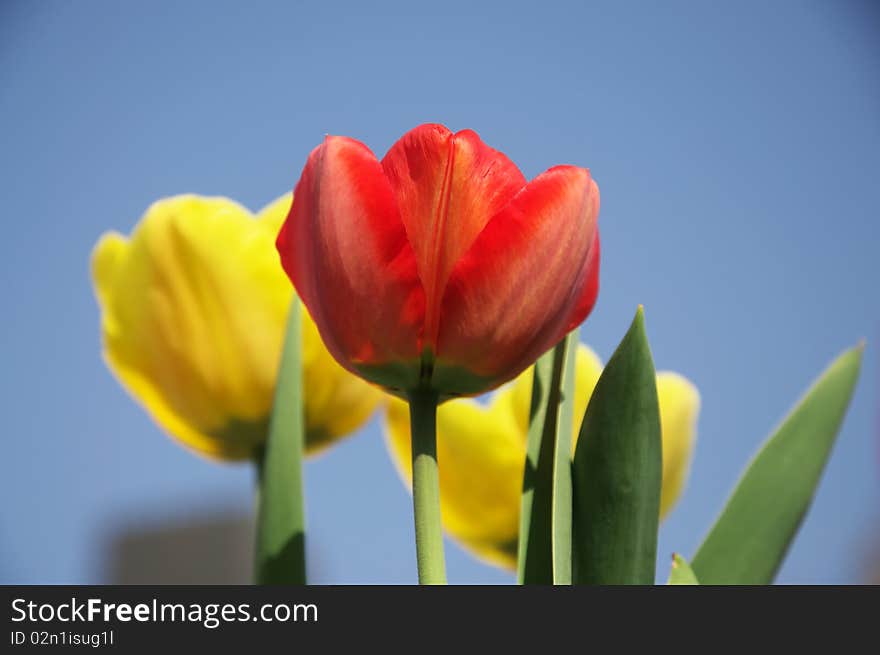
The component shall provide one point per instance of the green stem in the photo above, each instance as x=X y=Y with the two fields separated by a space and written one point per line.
x=426 y=487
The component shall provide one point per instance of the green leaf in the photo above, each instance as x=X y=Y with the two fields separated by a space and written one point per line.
x=751 y=536
x=534 y=551
x=617 y=470
x=562 y=499
x=544 y=551
x=280 y=548
x=681 y=572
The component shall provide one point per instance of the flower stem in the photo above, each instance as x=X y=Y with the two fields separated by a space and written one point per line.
x=426 y=487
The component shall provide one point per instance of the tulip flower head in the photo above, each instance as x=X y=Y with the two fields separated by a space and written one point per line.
x=483 y=450
x=440 y=267
x=193 y=314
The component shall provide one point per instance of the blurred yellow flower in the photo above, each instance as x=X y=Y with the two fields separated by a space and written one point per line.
x=481 y=450
x=193 y=312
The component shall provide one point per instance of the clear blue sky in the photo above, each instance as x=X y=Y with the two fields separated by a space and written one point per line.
x=737 y=147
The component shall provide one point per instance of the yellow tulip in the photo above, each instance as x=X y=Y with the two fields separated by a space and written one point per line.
x=481 y=451
x=193 y=312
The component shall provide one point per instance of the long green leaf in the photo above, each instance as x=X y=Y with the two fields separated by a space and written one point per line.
x=544 y=550
x=280 y=548
x=751 y=536
x=562 y=498
x=617 y=469
x=534 y=552
x=681 y=573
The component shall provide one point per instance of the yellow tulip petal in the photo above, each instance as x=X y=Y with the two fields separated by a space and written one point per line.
x=182 y=328
x=336 y=402
x=272 y=215
x=108 y=252
x=481 y=457
x=587 y=371
x=679 y=409
x=194 y=307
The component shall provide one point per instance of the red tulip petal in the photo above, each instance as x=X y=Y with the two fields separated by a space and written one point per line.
x=530 y=277
x=447 y=186
x=345 y=249
x=590 y=285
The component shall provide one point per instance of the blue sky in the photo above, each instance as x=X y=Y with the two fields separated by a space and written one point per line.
x=737 y=148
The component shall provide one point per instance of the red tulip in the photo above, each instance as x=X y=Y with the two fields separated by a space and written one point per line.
x=440 y=267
